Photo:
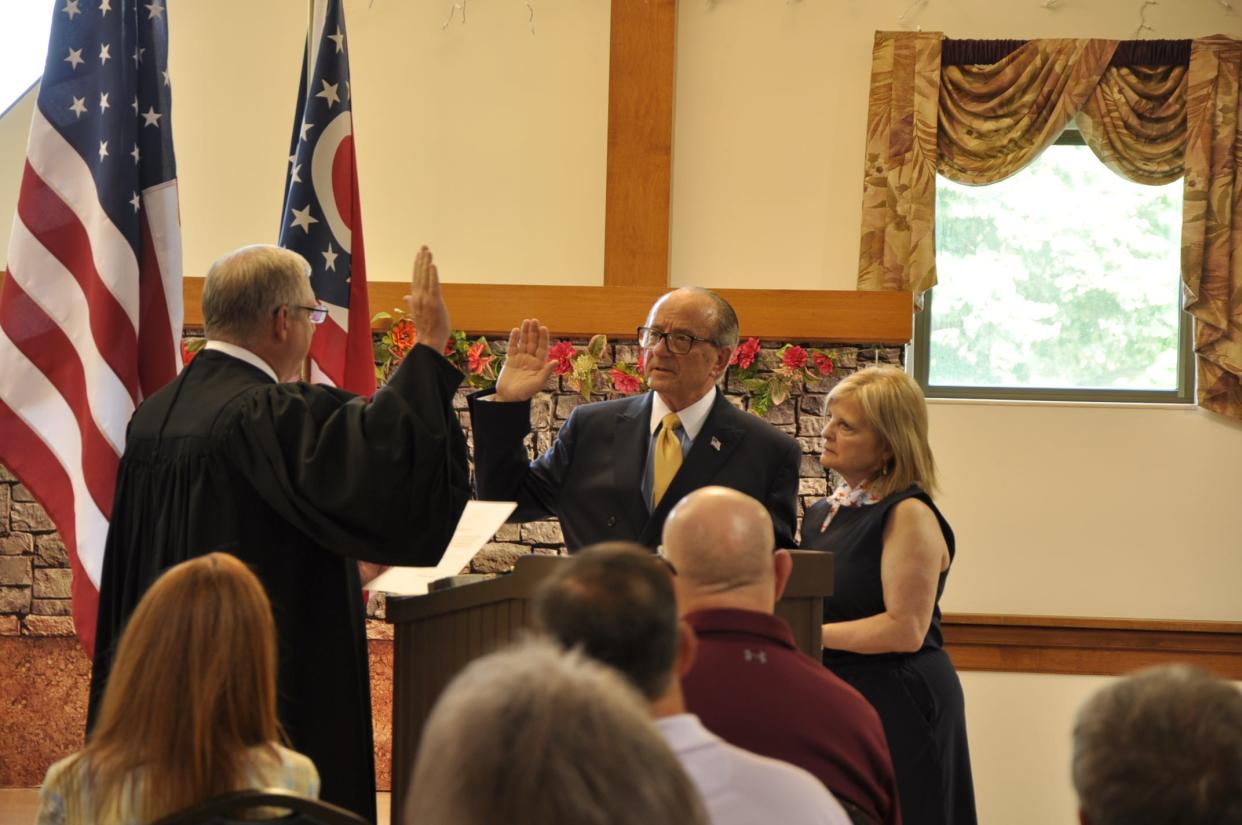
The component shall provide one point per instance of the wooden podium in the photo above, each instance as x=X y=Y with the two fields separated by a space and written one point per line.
x=438 y=634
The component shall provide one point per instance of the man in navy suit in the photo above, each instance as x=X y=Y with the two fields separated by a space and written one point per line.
x=600 y=477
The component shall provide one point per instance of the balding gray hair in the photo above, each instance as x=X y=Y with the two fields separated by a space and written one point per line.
x=534 y=735
x=1162 y=747
x=244 y=287
x=724 y=319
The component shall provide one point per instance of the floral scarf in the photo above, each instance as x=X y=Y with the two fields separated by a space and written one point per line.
x=846 y=496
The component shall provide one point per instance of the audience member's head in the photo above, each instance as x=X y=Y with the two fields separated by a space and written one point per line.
x=260 y=297
x=892 y=403
x=721 y=543
x=615 y=601
x=534 y=735
x=1161 y=747
x=192 y=689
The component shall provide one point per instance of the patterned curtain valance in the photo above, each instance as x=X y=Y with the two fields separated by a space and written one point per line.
x=978 y=111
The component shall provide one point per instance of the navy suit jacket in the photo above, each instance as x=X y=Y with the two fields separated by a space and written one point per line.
x=591 y=477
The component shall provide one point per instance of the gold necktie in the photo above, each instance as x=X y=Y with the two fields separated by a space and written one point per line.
x=667 y=456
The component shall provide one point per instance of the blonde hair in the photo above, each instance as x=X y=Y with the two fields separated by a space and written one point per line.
x=893 y=405
x=192 y=690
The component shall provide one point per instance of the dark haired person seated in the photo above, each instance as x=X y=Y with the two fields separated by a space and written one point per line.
x=204 y=724
x=615 y=602
x=1162 y=746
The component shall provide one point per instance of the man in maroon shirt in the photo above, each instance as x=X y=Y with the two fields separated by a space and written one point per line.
x=750 y=684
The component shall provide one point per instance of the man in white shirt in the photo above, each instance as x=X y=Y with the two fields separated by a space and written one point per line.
x=615 y=601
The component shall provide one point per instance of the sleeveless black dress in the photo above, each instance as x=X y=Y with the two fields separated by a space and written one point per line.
x=917 y=695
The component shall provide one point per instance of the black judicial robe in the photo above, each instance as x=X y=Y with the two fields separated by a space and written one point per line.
x=298 y=481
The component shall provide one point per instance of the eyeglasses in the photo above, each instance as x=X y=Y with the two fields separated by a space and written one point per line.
x=316 y=314
x=678 y=343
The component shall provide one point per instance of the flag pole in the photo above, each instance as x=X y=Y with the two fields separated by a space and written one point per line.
x=310 y=33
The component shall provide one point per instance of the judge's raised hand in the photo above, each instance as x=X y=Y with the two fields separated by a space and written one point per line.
x=426 y=303
x=526 y=367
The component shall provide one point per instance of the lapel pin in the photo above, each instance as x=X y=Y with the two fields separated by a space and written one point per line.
x=715 y=443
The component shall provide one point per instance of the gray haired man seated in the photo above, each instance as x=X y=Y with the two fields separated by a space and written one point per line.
x=615 y=602
x=1162 y=746
x=533 y=735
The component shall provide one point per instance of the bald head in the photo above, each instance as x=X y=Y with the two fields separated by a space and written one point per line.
x=721 y=542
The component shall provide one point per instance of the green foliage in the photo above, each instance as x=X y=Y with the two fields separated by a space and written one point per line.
x=1064 y=275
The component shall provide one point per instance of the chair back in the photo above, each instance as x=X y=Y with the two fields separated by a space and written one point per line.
x=223 y=809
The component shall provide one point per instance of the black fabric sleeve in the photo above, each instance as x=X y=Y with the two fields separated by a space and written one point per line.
x=782 y=500
x=382 y=481
x=503 y=470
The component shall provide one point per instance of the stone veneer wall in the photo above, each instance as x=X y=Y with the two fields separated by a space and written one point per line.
x=43 y=672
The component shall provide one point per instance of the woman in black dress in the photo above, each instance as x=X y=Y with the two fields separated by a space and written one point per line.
x=892 y=550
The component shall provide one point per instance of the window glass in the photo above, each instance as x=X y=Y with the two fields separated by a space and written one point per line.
x=1062 y=277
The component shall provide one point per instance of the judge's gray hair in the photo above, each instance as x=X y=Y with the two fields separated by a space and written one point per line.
x=534 y=735
x=1161 y=746
x=244 y=287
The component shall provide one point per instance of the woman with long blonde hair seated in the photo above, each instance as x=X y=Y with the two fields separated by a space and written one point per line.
x=190 y=707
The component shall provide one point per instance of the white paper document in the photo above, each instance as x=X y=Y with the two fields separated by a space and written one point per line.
x=479 y=522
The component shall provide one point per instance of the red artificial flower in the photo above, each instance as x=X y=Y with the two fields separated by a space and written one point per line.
x=475 y=358
x=625 y=383
x=744 y=355
x=404 y=337
x=822 y=363
x=562 y=352
x=794 y=357
x=187 y=355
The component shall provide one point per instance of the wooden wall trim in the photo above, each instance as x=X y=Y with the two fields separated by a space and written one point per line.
x=770 y=314
x=1087 y=646
x=641 y=67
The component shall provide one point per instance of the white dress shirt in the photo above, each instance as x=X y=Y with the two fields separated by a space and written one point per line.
x=242 y=354
x=742 y=788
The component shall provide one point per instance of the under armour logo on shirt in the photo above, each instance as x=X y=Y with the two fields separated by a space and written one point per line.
x=755 y=656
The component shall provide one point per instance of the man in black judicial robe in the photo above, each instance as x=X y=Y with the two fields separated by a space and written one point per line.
x=297 y=480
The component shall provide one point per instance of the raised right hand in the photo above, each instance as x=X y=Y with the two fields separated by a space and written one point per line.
x=526 y=367
x=425 y=303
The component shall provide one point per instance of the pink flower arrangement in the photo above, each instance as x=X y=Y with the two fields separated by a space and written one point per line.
x=404 y=336
x=797 y=367
x=745 y=354
x=190 y=347
x=624 y=382
x=476 y=360
x=794 y=357
x=562 y=352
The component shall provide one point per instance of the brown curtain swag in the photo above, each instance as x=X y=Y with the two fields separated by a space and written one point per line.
x=1130 y=53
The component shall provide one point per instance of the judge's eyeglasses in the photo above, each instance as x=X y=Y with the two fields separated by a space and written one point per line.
x=316 y=314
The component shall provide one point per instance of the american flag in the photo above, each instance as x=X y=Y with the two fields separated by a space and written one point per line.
x=322 y=218
x=90 y=308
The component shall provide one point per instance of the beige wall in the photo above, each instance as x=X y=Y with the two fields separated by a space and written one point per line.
x=489 y=144
x=482 y=140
